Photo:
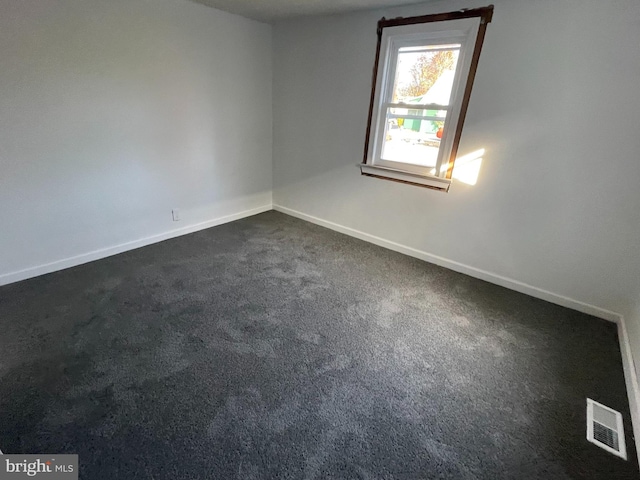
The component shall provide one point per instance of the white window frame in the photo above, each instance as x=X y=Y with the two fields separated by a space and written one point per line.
x=465 y=28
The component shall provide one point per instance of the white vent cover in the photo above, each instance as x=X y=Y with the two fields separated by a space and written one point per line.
x=604 y=428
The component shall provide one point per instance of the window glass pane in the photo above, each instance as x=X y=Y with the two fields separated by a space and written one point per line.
x=411 y=140
x=424 y=74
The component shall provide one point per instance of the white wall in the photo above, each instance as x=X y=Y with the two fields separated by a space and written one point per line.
x=114 y=112
x=555 y=104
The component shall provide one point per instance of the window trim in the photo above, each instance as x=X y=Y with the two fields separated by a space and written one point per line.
x=413 y=176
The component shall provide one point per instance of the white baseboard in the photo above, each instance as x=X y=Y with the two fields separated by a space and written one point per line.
x=460 y=267
x=123 y=247
x=631 y=380
x=633 y=389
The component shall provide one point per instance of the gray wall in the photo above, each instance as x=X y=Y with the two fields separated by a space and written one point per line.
x=114 y=112
x=556 y=106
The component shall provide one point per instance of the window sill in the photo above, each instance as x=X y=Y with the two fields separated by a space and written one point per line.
x=403 y=176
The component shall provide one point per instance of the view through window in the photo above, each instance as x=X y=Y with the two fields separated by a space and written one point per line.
x=423 y=80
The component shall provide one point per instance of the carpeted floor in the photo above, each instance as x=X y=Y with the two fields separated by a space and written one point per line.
x=273 y=348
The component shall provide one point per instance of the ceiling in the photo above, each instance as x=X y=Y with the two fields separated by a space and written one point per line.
x=273 y=10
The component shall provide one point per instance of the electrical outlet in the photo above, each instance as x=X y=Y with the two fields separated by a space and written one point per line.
x=176 y=214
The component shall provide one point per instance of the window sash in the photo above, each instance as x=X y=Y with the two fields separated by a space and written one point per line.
x=393 y=45
x=416 y=106
x=432 y=118
x=429 y=49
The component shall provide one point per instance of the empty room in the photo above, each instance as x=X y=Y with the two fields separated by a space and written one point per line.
x=309 y=239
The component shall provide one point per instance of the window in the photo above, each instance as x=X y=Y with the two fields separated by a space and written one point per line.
x=422 y=82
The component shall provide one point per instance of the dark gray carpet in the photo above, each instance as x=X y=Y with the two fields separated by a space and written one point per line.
x=273 y=348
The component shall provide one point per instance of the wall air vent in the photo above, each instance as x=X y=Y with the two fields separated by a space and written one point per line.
x=604 y=428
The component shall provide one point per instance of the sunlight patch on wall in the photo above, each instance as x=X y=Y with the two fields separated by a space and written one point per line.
x=467 y=167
